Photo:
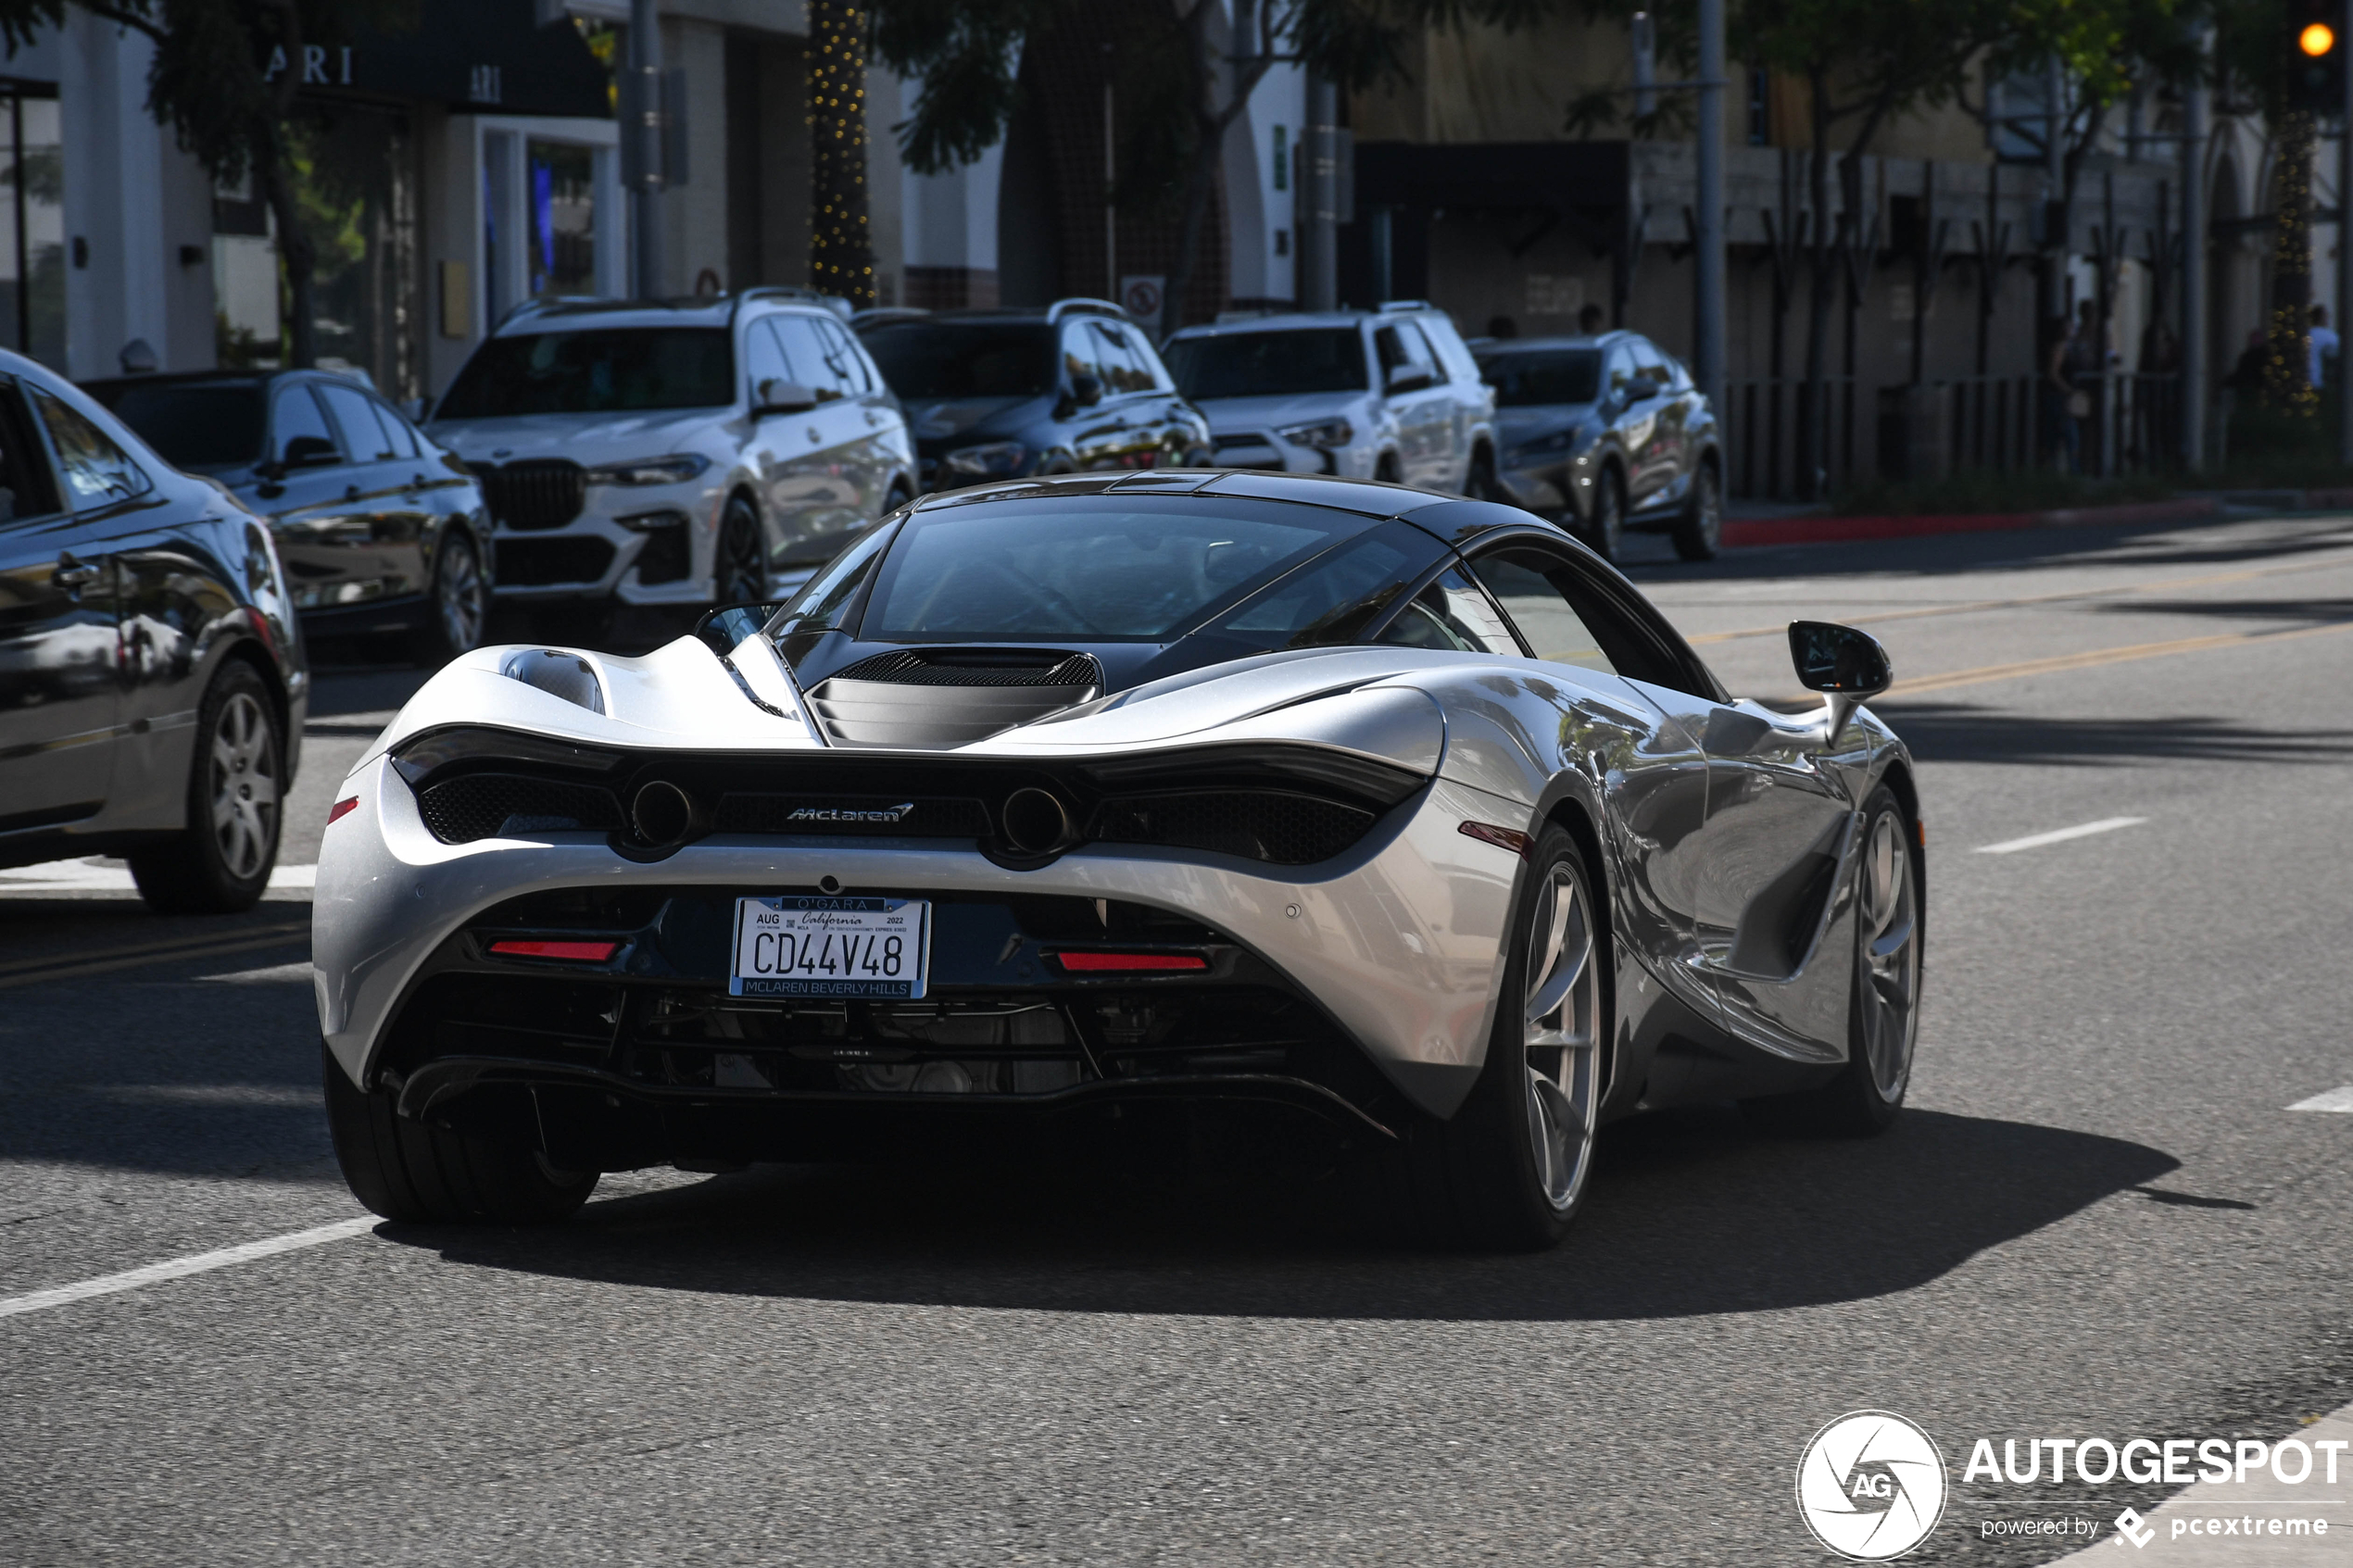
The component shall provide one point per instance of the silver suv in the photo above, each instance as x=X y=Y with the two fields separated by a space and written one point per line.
x=1389 y=393
x=705 y=451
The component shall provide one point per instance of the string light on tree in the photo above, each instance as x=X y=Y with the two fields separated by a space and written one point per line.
x=841 y=252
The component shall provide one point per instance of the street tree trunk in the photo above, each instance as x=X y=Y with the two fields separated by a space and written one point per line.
x=2287 y=348
x=297 y=255
x=841 y=245
x=1813 y=407
x=1211 y=118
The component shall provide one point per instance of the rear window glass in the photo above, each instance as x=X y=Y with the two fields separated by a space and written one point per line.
x=1110 y=569
x=594 y=373
x=1282 y=364
x=1333 y=599
x=195 y=427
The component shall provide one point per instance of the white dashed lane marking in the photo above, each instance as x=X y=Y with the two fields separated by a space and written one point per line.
x=2336 y=1099
x=2059 y=836
x=180 y=1267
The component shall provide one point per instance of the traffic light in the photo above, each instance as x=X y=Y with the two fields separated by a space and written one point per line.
x=2316 y=55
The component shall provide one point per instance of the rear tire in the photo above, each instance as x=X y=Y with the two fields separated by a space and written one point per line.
x=459 y=605
x=1699 y=532
x=221 y=860
x=1511 y=1170
x=740 y=575
x=1479 y=484
x=1605 y=530
x=1882 y=1007
x=420 y=1175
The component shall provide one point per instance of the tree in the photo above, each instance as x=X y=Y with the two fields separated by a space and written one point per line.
x=224 y=77
x=2251 y=49
x=967 y=52
x=841 y=250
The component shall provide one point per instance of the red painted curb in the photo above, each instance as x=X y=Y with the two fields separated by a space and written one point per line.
x=1842 y=530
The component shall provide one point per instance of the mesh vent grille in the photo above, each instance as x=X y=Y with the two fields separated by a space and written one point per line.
x=545 y=493
x=485 y=804
x=910 y=669
x=529 y=563
x=1282 y=829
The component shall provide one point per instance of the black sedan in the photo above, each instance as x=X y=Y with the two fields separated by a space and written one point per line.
x=152 y=686
x=1608 y=433
x=382 y=530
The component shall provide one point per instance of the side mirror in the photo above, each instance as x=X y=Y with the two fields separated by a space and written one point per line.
x=1846 y=666
x=775 y=397
x=723 y=628
x=1086 y=390
x=309 y=452
x=1408 y=378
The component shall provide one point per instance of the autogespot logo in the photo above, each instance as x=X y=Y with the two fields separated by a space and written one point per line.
x=1871 y=1486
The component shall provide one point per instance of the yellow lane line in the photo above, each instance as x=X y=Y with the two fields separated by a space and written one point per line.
x=1975 y=607
x=108 y=966
x=2104 y=656
x=196 y=943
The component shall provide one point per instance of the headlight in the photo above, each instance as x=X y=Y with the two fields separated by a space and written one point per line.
x=652 y=470
x=996 y=459
x=1324 y=434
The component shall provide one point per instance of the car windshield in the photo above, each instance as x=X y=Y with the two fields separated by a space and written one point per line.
x=196 y=427
x=939 y=359
x=612 y=371
x=1533 y=378
x=1282 y=364
x=1108 y=569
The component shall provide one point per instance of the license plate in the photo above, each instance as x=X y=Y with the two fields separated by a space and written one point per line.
x=878 y=948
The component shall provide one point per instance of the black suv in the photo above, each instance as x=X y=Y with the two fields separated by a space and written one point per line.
x=1001 y=393
x=382 y=529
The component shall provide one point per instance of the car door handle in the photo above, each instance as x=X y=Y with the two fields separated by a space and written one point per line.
x=71 y=574
x=817 y=435
x=416 y=482
x=872 y=419
x=351 y=492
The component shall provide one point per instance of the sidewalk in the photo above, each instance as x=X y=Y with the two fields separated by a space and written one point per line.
x=1750 y=524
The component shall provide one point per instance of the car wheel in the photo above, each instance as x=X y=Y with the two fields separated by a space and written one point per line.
x=1699 y=532
x=459 y=604
x=1605 y=530
x=899 y=497
x=221 y=861
x=1480 y=484
x=1883 y=1009
x=1387 y=469
x=419 y=1174
x=1512 y=1168
x=741 y=575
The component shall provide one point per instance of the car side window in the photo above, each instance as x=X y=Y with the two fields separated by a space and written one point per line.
x=1123 y=371
x=1082 y=354
x=363 y=433
x=96 y=471
x=1452 y=614
x=764 y=359
x=811 y=363
x=399 y=430
x=1651 y=365
x=1621 y=369
x=1631 y=637
x=1450 y=351
x=1522 y=582
x=847 y=360
x=294 y=415
x=25 y=491
x=1150 y=359
x=1417 y=350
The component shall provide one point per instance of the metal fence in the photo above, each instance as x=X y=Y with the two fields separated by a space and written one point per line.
x=1986 y=423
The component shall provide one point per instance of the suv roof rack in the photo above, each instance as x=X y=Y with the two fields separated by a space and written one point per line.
x=874 y=314
x=1083 y=307
x=1406 y=305
x=798 y=295
x=538 y=303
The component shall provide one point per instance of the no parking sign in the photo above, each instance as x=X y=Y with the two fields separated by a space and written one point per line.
x=1141 y=296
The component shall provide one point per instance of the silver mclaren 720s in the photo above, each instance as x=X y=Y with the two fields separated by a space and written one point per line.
x=1056 y=798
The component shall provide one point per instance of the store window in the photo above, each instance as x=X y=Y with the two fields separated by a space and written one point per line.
x=32 y=229
x=563 y=218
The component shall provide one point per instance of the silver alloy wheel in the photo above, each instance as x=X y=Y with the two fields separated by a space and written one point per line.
x=741 y=578
x=1709 y=506
x=1609 y=516
x=1563 y=1046
x=244 y=786
x=463 y=598
x=1887 y=912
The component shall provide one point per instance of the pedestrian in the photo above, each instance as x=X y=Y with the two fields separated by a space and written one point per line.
x=2324 y=344
x=1589 y=321
x=2073 y=372
x=2247 y=374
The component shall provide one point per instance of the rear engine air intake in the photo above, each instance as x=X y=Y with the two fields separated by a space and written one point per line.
x=1270 y=826
x=949 y=696
x=477 y=806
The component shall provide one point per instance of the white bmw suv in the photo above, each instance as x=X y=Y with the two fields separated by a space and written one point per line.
x=1390 y=394
x=700 y=451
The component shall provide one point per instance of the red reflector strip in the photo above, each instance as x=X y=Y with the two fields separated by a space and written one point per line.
x=1107 y=963
x=342 y=808
x=579 y=952
x=1516 y=842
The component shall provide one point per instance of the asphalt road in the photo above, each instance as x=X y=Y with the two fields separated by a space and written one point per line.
x=2099 y=1218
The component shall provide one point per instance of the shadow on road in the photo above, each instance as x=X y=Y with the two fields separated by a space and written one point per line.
x=1693 y=1215
x=1962 y=733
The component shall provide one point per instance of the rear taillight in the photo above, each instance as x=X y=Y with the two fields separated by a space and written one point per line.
x=569 y=952
x=1128 y=963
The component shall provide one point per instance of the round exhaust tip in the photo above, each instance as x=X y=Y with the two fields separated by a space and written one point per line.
x=1035 y=823
x=663 y=814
